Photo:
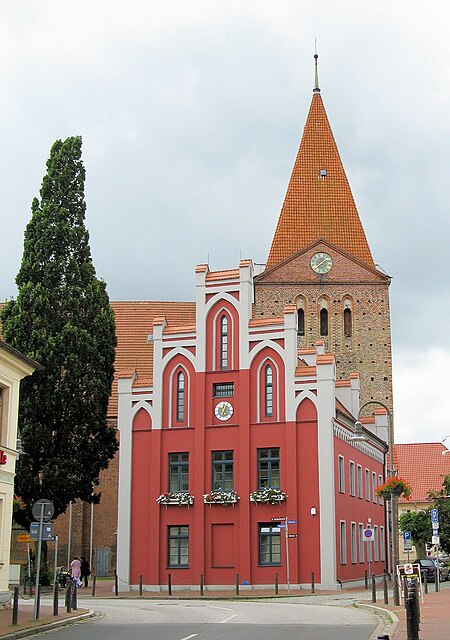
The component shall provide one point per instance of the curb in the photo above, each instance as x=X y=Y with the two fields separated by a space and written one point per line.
x=388 y=623
x=31 y=631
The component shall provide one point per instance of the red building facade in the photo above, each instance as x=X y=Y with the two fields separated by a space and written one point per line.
x=237 y=429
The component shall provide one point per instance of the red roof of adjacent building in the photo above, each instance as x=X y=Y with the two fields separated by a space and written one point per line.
x=318 y=207
x=423 y=466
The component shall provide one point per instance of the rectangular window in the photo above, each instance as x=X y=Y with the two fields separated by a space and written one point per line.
x=367 y=484
x=341 y=474
x=361 y=543
x=343 y=542
x=223 y=390
x=178 y=546
x=352 y=478
x=269 y=468
x=178 y=472
x=380 y=481
x=354 y=543
x=269 y=544
x=359 y=482
x=374 y=486
x=382 y=545
x=222 y=470
x=375 y=543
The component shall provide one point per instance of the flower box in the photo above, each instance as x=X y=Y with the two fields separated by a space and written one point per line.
x=179 y=498
x=221 y=497
x=270 y=496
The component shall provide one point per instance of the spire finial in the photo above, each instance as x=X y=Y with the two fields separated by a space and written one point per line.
x=316 y=77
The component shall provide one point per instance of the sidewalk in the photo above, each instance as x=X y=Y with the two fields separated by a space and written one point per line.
x=26 y=623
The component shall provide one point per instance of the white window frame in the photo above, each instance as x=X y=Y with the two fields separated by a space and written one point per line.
x=354 y=543
x=341 y=474
x=359 y=482
x=374 y=486
x=343 y=541
x=382 y=545
x=362 y=553
x=367 y=479
x=375 y=543
x=352 y=479
x=380 y=481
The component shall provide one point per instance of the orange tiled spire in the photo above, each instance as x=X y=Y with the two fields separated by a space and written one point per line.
x=318 y=202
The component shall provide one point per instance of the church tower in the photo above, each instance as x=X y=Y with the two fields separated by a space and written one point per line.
x=320 y=261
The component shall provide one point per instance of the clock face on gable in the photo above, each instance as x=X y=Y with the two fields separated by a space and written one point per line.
x=223 y=410
x=321 y=263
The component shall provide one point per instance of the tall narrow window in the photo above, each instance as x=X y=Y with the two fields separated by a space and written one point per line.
x=180 y=397
x=300 y=322
x=341 y=474
x=347 y=323
x=224 y=342
x=178 y=546
x=361 y=542
x=178 y=472
x=268 y=468
x=343 y=542
x=323 y=322
x=268 y=388
x=269 y=544
x=382 y=543
x=222 y=471
x=353 y=543
x=360 y=482
x=375 y=543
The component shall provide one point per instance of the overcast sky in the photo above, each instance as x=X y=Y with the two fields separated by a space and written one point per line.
x=191 y=115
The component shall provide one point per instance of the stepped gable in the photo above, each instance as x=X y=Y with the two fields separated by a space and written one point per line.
x=134 y=321
x=318 y=202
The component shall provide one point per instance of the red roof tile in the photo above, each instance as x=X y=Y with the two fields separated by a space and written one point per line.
x=318 y=207
x=423 y=466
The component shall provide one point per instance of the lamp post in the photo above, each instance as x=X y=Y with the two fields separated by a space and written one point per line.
x=360 y=436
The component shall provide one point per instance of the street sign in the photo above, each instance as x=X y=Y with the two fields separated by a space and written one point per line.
x=368 y=535
x=292 y=521
x=435 y=540
x=23 y=537
x=407 y=535
x=44 y=507
x=434 y=515
x=407 y=545
x=408 y=568
x=292 y=535
x=278 y=519
x=435 y=528
x=47 y=531
x=281 y=525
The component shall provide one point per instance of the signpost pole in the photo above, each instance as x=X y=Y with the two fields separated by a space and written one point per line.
x=288 y=576
x=38 y=563
x=56 y=560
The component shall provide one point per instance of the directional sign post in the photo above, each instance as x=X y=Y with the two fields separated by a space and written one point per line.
x=42 y=510
x=407 y=542
x=435 y=516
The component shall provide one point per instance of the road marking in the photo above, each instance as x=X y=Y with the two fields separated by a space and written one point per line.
x=191 y=636
x=221 y=608
x=228 y=619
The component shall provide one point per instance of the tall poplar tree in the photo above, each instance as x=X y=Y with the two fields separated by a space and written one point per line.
x=63 y=320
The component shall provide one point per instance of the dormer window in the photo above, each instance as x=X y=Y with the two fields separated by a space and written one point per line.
x=323 y=173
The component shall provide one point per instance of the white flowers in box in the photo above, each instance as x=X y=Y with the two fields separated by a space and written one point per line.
x=176 y=497
x=269 y=495
x=220 y=497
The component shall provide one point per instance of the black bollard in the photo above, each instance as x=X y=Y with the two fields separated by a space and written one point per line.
x=38 y=601
x=237 y=584
x=69 y=596
x=201 y=584
x=374 y=589
x=116 y=583
x=55 y=598
x=15 y=615
x=313 y=586
x=425 y=581
x=169 y=583
x=385 y=589
x=436 y=581
x=94 y=580
x=366 y=581
x=74 y=597
x=383 y=637
x=276 y=583
x=140 y=584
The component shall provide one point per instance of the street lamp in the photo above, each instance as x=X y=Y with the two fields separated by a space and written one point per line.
x=358 y=437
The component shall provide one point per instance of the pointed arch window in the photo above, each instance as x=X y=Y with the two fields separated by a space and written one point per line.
x=347 y=323
x=323 y=322
x=268 y=390
x=300 y=322
x=180 y=397
x=224 y=342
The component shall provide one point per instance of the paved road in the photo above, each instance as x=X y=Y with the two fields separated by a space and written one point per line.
x=219 y=620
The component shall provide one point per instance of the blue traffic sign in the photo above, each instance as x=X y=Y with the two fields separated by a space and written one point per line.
x=292 y=521
x=434 y=515
x=281 y=525
x=407 y=535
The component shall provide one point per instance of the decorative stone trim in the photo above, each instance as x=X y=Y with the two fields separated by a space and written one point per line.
x=366 y=447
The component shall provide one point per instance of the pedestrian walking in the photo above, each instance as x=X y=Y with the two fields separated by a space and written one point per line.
x=75 y=571
x=85 y=570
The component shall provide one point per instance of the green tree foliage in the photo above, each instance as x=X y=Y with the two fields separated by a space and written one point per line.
x=63 y=320
x=419 y=523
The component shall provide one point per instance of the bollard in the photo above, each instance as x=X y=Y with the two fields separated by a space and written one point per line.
x=374 y=589
x=383 y=637
x=38 y=601
x=436 y=581
x=140 y=584
x=409 y=619
x=169 y=583
x=313 y=586
x=425 y=581
x=276 y=583
x=55 y=598
x=366 y=581
x=94 y=580
x=25 y=580
x=385 y=589
x=116 y=583
x=237 y=584
x=15 y=615
x=201 y=584
x=69 y=597
x=74 y=597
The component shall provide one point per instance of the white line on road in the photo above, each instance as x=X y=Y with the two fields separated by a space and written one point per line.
x=191 y=636
x=227 y=619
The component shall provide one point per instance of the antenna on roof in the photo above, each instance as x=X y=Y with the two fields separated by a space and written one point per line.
x=316 y=71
